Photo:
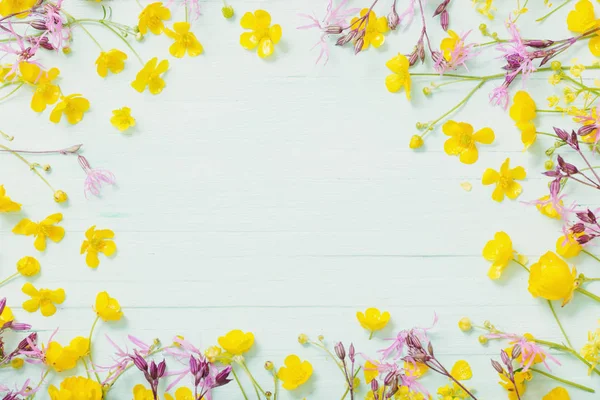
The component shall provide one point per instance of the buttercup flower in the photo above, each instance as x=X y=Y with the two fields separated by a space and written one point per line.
x=415 y=369
x=42 y=230
x=262 y=33
x=455 y=52
x=182 y=393
x=28 y=266
x=568 y=246
x=500 y=252
x=42 y=299
x=150 y=76
x=97 y=242
x=65 y=358
x=185 y=41
x=373 y=319
x=8 y=7
x=523 y=113
x=295 y=372
x=520 y=379
x=462 y=140
x=72 y=106
x=112 y=60
x=558 y=393
x=460 y=371
x=141 y=393
x=590 y=351
x=122 y=119
x=370 y=370
x=400 y=78
x=76 y=388
x=152 y=17
x=582 y=19
x=60 y=196
x=545 y=207
x=505 y=181
x=6 y=204
x=374 y=29
x=236 y=342
x=107 y=307
x=46 y=92
x=551 y=279
x=6 y=316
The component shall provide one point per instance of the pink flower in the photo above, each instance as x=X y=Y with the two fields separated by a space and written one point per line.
x=518 y=59
x=53 y=25
x=122 y=358
x=529 y=350
x=591 y=124
x=459 y=55
x=95 y=177
x=23 y=53
x=396 y=349
x=500 y=96
x=192 y=5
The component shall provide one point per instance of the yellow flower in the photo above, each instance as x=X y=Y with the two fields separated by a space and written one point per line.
x=65 y=358
x=72 y=106
x=416 y=369
x=152 y=17
x=107 y=308
x=590 y=351
x=523 y=112
x=568 y=247
x=520 y=379
x=558 y=393
x=236 y=342
x=416 y=142
x=42 y=230
x=141 y=393
x=112 y=60
x=6 y=204
x=184 y=41
x=399 y=78
x=28 y=266
x=6 y=316
x=500 y=252
x=150 y=76
x=553 y=100
x=370 y=371
x=405 y=393
x=551 y=279
x=448 y=44
x=182 y=393
x=505 y=181
x=461 y=371
x=60 y=196
x=594 y=45
x=295 y=373
x=261 y=34
x=212 y=353
x=373 y=319
x=8 y=7
x=465 y=324
x=76 y=388
x=375 y=28
x=485 y=7
x=43 y=299
x=5 y=73
x=46 y=92
x=97 y=242
x=548 y=209
x=122 y=119
x=462 y=140
x=582 y=19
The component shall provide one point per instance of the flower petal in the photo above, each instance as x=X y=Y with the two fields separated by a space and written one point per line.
x=485 y=136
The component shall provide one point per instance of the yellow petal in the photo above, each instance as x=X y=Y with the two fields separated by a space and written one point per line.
x=377 y=40
x=452 y=146
x=265 y=47
x=498 y=194
x=248 y=21
x=31 y=305
x=91 y=259
x=518 y=173
x=249 y=40
x=485 y=136
x=513 y=190
x=451 y=128
x=263 y=19
x=468 y=156
x=462 y=371
x=40 y=242
x=394 y=82
x=25 y=227
x=47 y=308
x=275 y=33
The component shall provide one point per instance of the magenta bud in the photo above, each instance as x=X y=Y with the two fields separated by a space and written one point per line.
x=351 y=352
x=504 y=357
x=140 y=363
x=359 y=45
x=413 y=58
x=340 y=351
x=497 y=366
x=222 y=377
x=38 y=24
x=393 y=20
x=333 y=30
x=578 y=227
x=374 y=385
x=586 y=130
x=562 y=134
x=583 y=239
x=445 y=20
x=516 y=351
x=555 y=187
x=194 y=366
x=45 y=43
x=153 y=370
x=162 y=368
x=18 y=326
x=538 y=44
x=346 y=38
x=389 y=378
x=2 y=304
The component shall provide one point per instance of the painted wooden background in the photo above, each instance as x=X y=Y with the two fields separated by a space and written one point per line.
x=280 y=197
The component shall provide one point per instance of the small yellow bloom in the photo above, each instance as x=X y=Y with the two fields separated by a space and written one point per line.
x=548 y=209
x=405 y=393
x=461 y=370
x=97 y=241
x=212 y=353
x=448 y=45
x=374 y=30
x=43 y=299
x=141 y=393
x=152 y=17
x=28 y=266
x=520 y=379
x=551 y=279
x=6 y=204
x=568 y=247
x=6 y=316
x=500 y=252
x=416 y=142
x=485 y=7
x=400 y=78
x=590 y=351
x=262 y=34
x=107 y=308
x=523 y=113
x=17 y=363
x=464 y=324
x=8 y=7
x=45 y=91
x=370 y=371
x=60 y=196
x=553 y=100
x=462 y=140
x=227 y=11
x=373 y=319
x=42 y=230
x=582 y=19
x=185 y=41
x=122 y=119
x=76 y=388
x=415 y=369
x=237 y=342
x=505 y=181
x=302 y=338
x=182 y=393
x=295 y=373
x=112 y=60
x=72 y=106
x=150 y=76
x=65 y=358
x=558 y=393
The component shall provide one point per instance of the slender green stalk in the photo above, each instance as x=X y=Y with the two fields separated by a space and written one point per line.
x=591 y=255
x=521 y=264
x=562 y=329
x=257 y=386
x=124 y=41
x=9 y=278
x=30 y=165
x=565 y=381
x=348 y=387
x=553 y=11
x=90 y=349
x=19 y=86
x=588 y=294
x=239 y=384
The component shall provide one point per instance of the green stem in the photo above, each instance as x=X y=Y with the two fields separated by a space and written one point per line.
x=41 y=381
x=160 y=349
x=348 y=387
x=124 y=41
x=565 y=381
x=549 y=111
x=275 y=383
x=330 y=354
x=239 y=383
x=9 y=278
x=30 y=165
x=591 y=255
x=87 y=370
x=90 y=348
x=371 y=335
x=562 y=329
x=588 y=294
x=553 y=11
x=254 y=382
x=521 y=264
x=12 y=91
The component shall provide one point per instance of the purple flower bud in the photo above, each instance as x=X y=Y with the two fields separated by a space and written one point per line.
x=340 y=351
x=591 y=216
x=351 y=352
x=27 y=343
x=538 y=44
x=445 y=20
x=393 y=19
x=583 y=239
x=2 y=304
x=562 y=134
x=413 y=58
x=194 y=366
x=586 y=130
x=153 y=370
x=19 y=326
x=430 y=348
x=333 y=30
x=222 y=377
x=45 y=43
x=574 y=142
x=516 y=351
x=389 y=378
x=555 y=187
x=140 y=363
x=441 y=8
x=578 y=227
x=504 y=357
x=552 y=174
x=162 y=368
x=359 y=45
x=421 y=50
x=374 y=385
x=497 y=366
x=346 y=38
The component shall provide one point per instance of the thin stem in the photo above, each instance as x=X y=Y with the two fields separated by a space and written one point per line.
x=9 y=278
x=562 y=329
x=87 y=32
x=588 y=294
x=254 y=382
x=6 y=136
x=12 y=92
x=591 y=255
x=124 y=41
x=561 y=380
x=30 y=165
x=521 y=264
x=87 y=370
x=347 y=387
x=160 y=349
x=239 y=383
x=90 y=344
x=553 y=11
x=275 y=383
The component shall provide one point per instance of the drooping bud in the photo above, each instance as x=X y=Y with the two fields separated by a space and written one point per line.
x=393 y=19
x=359 y=45
x=222 y=377
x=497 y=366
x=333 y=30
x=538 y=44
x=340 y=351
x=578 y=228
x=445 y=20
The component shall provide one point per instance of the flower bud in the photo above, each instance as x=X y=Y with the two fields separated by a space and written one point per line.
x=445 y=20
x=139 y=36
x=321 y=338
x=416 y=142
x=46 y=167
x=426 y=90
x=497 y=366
x=465 y=324
x=60 y=196
x=393 y=19
x=483 y=339
x=227 y=11
x=333 y=30
x=359 y=45
x=17 y=363
x=556 y=65
x=302 y=338
x=516 y=351
x=550 y=151
x=269 y=366
x=340 y=351
x=504 y=357
x=487 y=324
x=549 y=164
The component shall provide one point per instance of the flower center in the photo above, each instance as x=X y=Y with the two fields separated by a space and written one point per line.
x=504 y=182
x=466 y=140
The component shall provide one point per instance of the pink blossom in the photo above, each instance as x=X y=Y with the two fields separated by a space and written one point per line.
x=591 y=124
x=500 y=96
x=192 y=5
x=460 y=54
x=23 y=53
x=529 y=350
x=122 y=358
x=95 y=177
x=396 y=349
x=409 y=13
x=55 y=30
x=518 y=58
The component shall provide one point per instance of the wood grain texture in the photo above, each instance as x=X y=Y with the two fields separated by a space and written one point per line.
x=280 y=197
